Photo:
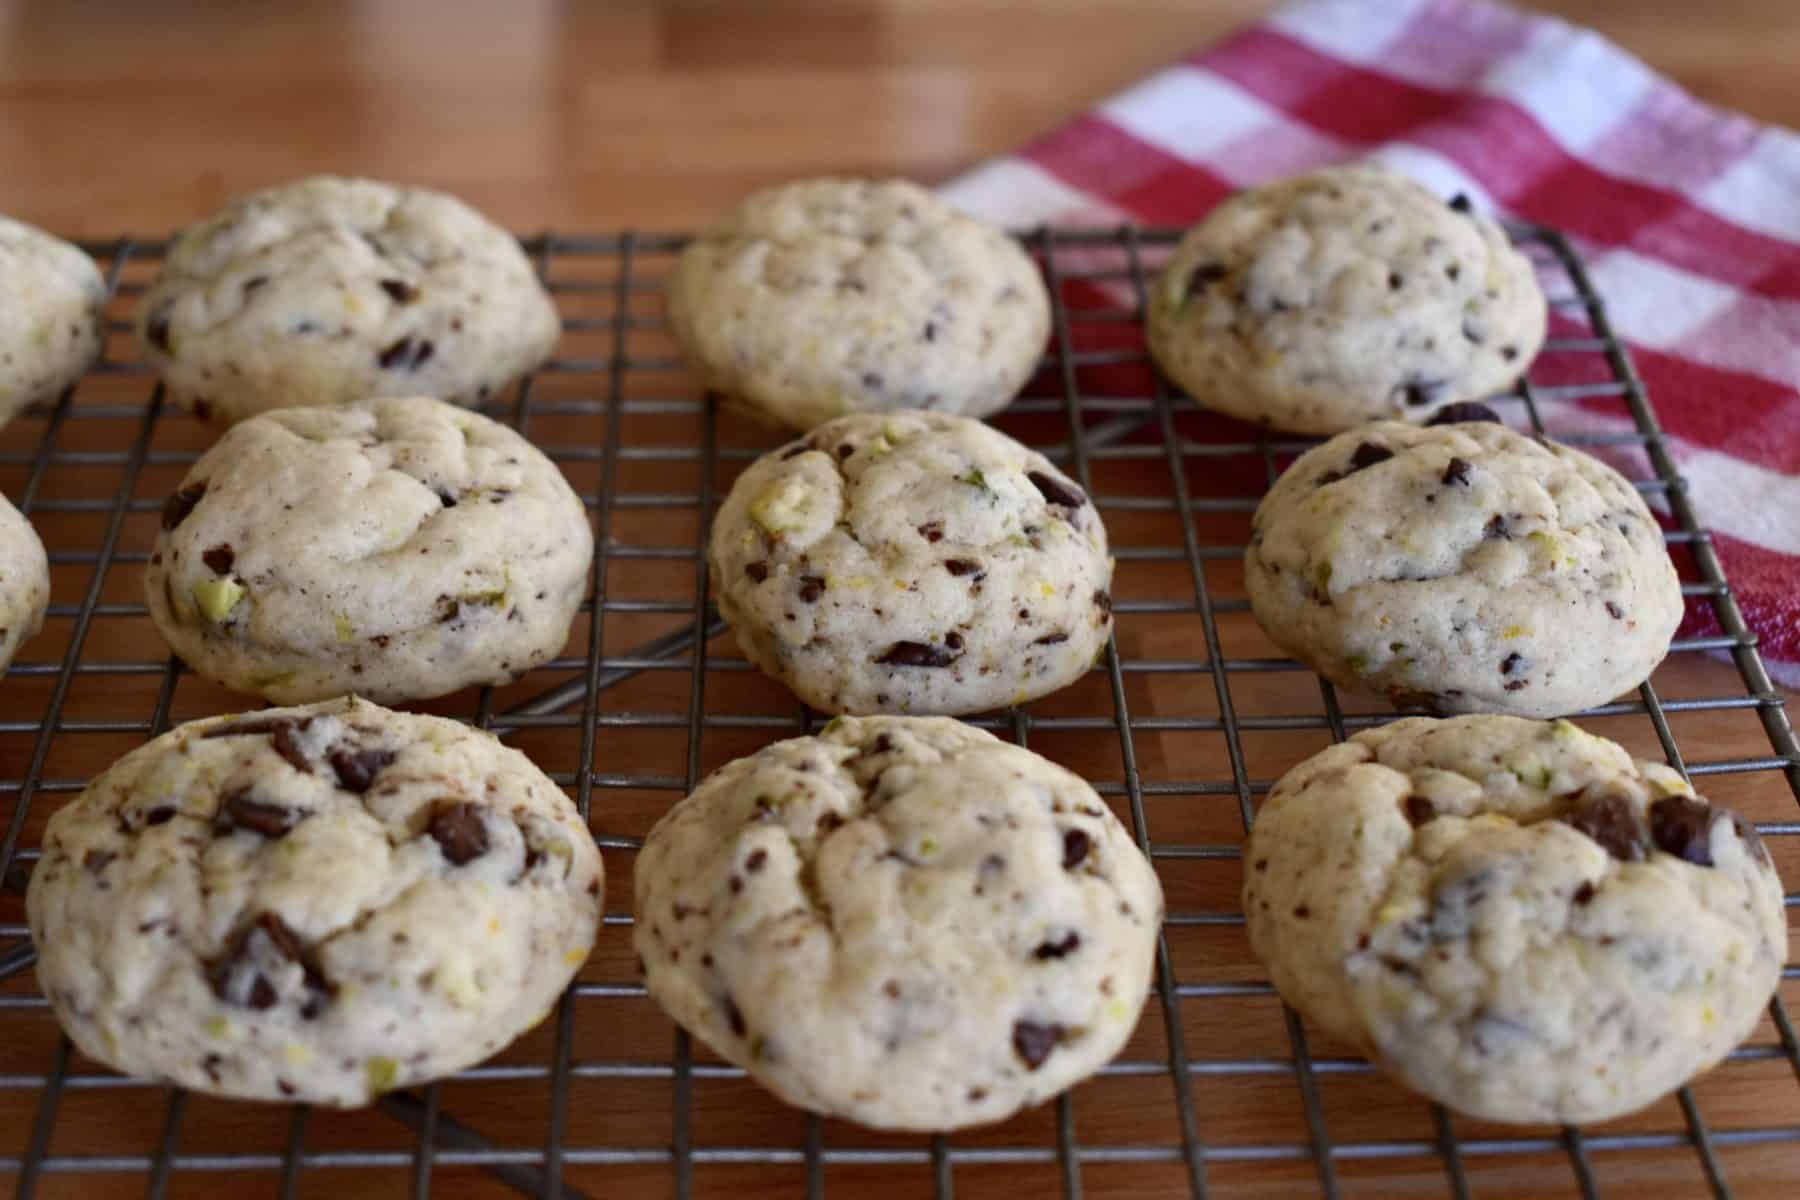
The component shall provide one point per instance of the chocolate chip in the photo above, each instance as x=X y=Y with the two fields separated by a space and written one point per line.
x=95 y=861
x=1033 y=1042
x=237 y=977
x=757 y=859
x=1460 y=203
x=1496 y=529
x=1512 y=662
x=961 y=566
x=357 y=766
x=1462 y=412
x=179 y=504
x=219 y=559
x=246 y=728
x=457 y=828
x=1058 y=947
x=156 y=331
x=1509 y=353
x=1075 y=848
x=446 y=497
x=1419 y=810
x=1103 y=601
x=400 y=291
x=1682 y=826
x=1203 y=277
x=1585 y=893
x=932 y=531
x=1614 y=611
x=930 y=331
x=953 y=640
x=162 y=814
x=916 y=654
x=757 y=571
x=406 y=353
x=1611 y=820
x=846 y=450
x=1367 y=455
x=1055 y=491
x=811 y=588
x=734 y=1017
x=1456 y=471
x=1395 y=281
x=254 y=282
x=1052 y=639
x=240 y=811
x=829 y=822
x=1453 y=272
x=1419 y=392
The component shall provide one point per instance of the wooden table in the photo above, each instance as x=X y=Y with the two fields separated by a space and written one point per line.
x=659 y=116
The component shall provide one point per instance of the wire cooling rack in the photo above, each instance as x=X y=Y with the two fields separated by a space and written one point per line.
x=1183 y=726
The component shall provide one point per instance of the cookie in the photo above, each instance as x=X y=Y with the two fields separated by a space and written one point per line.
x=1465 y=568
x=399 y=549
x=51 y=297
x=912 y=563
x=24 y=582
x=327 y=291
x=313 y=904
x=1345 y=295
x=1512 y=916
x=904 y=922
x=835 y=296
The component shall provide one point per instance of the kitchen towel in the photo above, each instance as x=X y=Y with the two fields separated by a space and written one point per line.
x=1687 y=216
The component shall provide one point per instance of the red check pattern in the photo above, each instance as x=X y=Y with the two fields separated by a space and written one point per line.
x=1688 y=217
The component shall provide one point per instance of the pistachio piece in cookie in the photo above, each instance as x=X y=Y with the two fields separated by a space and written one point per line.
x=315 y=904
x=903 y=921
x=912 y=563
x=1514 y=917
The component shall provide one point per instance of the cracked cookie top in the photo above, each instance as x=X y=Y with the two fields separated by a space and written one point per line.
x=1351 y=293
x=51 y=297
x=1463 y=567
x=400 y=548
x=915 y=563
x=327 y=291
x=832 y=296
x=313 y=903
x=902 y=921
x=1513 y=916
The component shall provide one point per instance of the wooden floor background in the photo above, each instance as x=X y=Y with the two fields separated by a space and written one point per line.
x=589 y=118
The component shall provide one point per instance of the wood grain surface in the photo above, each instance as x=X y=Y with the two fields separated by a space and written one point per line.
x=121 y=118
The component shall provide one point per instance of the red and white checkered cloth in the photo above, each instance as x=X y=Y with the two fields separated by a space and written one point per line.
x=1688 y=217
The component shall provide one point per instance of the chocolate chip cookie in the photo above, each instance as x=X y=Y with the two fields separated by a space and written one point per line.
x=51 y=296
x=328 y=291
x=1463 y=567
x=399 y=549
x=1344 y=295
x=833 y=296
x=904 y=922
x=912 y=563
x=1512 y=916
x=314 y=904
x=24 y=582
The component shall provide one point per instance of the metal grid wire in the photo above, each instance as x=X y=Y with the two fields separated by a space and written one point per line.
x=1183 y=725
